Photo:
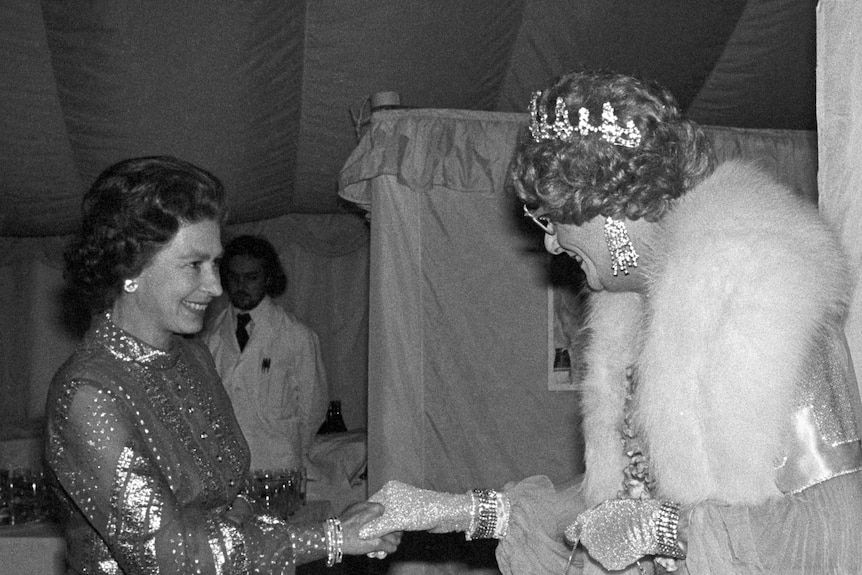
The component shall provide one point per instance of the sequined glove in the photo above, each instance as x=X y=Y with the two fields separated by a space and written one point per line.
x=618 y=532
x=480 y=513
x=409 y=508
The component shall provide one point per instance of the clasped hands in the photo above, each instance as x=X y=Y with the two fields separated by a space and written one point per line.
x=409 y=508
x=616 y=533
x=355 y=518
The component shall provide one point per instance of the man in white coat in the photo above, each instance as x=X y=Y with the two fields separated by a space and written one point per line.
x=271 y=366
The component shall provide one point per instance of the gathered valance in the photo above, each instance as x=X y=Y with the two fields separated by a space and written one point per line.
x=460 y=150
x=455 y=149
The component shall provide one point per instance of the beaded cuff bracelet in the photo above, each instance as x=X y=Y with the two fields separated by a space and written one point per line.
x=666 y=534
x=484 y=516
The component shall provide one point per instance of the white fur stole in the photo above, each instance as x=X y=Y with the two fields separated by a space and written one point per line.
x=743 y=277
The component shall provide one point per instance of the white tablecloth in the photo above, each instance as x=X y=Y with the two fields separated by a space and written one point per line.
x=32 y=549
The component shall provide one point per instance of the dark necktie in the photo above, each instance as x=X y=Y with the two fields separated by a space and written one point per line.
x=242 y=333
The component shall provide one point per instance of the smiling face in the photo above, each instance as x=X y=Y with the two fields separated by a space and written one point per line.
x=586 y=243
x=175 y=288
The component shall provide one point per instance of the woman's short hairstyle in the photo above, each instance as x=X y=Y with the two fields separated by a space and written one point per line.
x=575 y=179
x=132 y=210
x=258 y=248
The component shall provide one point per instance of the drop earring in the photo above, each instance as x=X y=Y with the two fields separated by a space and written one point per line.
x=130 y=286
x=623 y=254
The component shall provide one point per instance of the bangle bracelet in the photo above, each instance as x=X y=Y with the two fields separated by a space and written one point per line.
x=474 y=506
x=484 y=513
x=334 y=541
x=665 y=531
x=339 y=541
x=503 y=511
x=242 y=495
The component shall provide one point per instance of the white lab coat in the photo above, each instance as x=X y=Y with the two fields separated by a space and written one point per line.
x=277 y=384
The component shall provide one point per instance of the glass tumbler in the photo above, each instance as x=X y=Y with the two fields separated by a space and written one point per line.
x=278 y=492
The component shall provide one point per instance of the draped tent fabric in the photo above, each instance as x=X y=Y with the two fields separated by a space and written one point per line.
x=771 y=44
x=458 y=308
x=217 y=84
x=839 y=116
x=261 y=92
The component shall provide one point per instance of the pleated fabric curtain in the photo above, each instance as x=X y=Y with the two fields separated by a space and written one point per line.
x=839 y=124
x=458 y=313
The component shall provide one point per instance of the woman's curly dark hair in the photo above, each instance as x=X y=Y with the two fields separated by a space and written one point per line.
x=132 y=210
x=574 y=180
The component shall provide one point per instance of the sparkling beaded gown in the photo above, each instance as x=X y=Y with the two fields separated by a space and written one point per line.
x=149 y=456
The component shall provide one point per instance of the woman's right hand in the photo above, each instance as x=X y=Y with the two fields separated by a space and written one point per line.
x=410 y=508
x=352 y=521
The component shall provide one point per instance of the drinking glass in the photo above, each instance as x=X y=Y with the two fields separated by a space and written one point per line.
x=23 y=500
x=5 y=497
x=278 y=492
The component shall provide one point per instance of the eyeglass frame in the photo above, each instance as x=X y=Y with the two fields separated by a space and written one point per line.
x=540 y=220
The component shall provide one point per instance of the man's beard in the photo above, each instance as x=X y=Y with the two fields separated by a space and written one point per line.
x=243 y=301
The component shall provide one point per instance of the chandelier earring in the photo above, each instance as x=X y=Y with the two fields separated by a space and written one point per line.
x=623 y=254
x=130 y=286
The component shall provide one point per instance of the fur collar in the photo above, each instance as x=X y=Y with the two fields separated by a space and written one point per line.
x=743 y=276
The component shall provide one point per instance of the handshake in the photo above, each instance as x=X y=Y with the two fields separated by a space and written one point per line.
x=480 y=513
x=616 y=533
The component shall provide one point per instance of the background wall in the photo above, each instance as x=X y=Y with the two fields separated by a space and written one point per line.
x=839 y=117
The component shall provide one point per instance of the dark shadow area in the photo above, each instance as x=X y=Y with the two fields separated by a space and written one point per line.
x=416 y=546
x=75 y=315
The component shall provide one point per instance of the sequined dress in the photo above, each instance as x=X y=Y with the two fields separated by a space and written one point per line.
x=149 y=456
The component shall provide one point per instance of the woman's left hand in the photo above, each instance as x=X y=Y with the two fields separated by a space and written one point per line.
x=618 y=532
x=352 y=520
x=240 y=511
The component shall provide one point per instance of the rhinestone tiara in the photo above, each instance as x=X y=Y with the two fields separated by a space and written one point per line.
x=610 y=130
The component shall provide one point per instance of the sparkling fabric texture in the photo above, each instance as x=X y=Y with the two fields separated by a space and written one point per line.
x=149 y=457
x=410 y=508
x=619 y=532
x=823 y=441
x=824 y=390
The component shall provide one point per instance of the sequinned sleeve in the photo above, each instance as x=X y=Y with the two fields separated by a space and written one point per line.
x=100 y=455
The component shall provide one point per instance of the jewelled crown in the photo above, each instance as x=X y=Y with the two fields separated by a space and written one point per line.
x=561 y=128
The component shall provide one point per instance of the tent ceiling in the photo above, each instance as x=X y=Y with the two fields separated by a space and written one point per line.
x=260 y=91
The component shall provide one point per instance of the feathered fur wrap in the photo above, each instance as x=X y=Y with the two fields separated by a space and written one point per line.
x=744 y=277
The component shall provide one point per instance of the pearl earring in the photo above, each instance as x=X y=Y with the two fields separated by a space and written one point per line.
x=130 y=286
